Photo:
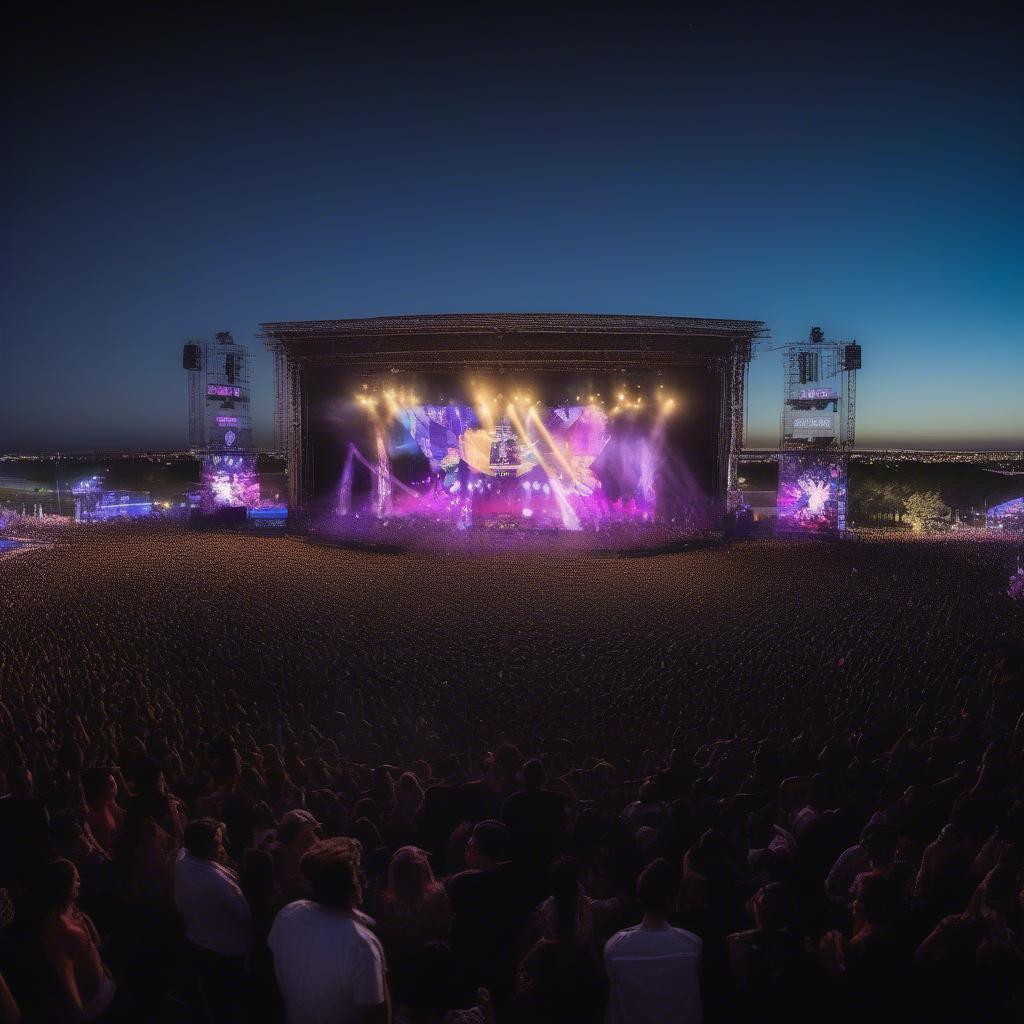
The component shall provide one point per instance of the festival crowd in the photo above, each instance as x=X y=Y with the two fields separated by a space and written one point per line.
x=309 y=854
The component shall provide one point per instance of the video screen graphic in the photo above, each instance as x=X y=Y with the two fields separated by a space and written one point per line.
x=808 y=424
x=96 y=504
x=509 y=464
x=230 y=481
x=812 y=493
x=409 y=453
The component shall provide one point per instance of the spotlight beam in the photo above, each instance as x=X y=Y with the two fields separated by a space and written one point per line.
x=569 y=518
x=552 y=444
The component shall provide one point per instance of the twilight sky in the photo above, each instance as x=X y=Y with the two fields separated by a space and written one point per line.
x=192 y=172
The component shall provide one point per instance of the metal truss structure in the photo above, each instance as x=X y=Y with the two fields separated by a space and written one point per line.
x=809 y=365
x=288 y=419
x=195 y=385
x=218 y=392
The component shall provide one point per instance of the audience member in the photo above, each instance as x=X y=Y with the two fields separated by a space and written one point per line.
x=490 y=904
x=84 y=988
x=745 y=740
x=413 y=910
x=560 y=980
x=218 y=921
x=329 y=965
x=653 y=968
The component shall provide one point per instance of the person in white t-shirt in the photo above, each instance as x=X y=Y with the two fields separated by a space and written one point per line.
x=329 y=965
x=218 y=923
x=653 y=968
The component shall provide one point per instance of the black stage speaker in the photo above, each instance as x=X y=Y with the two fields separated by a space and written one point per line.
x=851 y=357
x=191 y=357
x=808 y=363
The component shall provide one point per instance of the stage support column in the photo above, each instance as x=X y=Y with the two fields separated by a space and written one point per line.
x=739 y=362
x=296 y=448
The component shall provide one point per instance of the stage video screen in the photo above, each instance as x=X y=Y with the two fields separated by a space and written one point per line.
x=230 y=481
x=563 y=456
x=812 y=493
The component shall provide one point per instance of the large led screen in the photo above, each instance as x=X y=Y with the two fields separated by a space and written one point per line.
x=812 y=493
x=230 y=481
x=547 y=467
x=444 y=451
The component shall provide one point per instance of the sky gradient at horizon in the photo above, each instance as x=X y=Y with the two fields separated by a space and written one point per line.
x=189 y=173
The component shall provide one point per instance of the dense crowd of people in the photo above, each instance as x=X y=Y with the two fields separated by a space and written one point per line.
x=251 y=780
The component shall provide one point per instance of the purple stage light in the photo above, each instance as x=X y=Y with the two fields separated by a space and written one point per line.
x=557 y=467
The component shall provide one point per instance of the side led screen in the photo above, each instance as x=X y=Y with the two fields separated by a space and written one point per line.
x=230 y=481
x=812 y=493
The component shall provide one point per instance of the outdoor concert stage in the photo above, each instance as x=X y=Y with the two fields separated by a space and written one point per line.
x=527 y=423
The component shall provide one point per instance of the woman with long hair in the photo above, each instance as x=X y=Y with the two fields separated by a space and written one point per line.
x=71 y=947
x=560 y=981
x=414 y=909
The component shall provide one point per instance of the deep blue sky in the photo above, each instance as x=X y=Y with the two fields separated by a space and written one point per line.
x=190 y=173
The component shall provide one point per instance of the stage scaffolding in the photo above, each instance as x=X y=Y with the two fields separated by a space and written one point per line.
x=218 y=389
x=816 y=433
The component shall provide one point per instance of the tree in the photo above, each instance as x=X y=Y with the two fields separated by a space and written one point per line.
x=878 y=499
x=926 y=510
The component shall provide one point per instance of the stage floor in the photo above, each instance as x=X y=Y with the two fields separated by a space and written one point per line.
x=440 y=540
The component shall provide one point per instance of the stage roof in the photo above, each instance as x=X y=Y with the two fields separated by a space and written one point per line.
x=553 y=338
x=512 y=323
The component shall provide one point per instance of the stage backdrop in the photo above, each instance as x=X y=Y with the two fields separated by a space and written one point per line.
x=549 y=450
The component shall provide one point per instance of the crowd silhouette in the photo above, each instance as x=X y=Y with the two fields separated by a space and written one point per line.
x=248 y=779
